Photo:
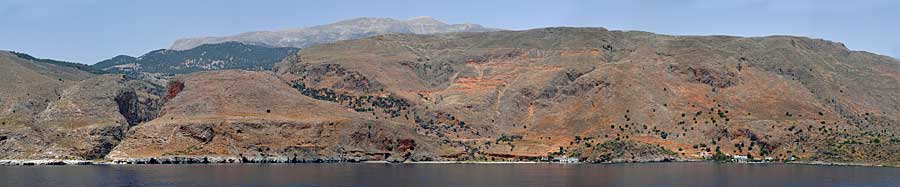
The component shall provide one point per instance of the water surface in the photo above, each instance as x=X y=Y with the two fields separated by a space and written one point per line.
x=492 y=175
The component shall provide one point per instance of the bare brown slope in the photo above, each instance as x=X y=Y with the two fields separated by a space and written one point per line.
x=568 y=90
x=27 y=81
x=251 y=114
x=50 y=111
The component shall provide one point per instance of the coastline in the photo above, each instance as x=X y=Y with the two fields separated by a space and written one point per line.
x=35 y=162
x=842 y=164
x=184 y=160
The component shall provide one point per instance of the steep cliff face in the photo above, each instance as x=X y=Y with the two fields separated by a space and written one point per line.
x=552 y=88
x=53 y=111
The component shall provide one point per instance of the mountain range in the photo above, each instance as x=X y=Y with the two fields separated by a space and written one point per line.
x=261 y=50
x=342 y=30
x=587 y=93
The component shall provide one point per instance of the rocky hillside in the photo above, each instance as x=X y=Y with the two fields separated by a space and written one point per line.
x=48 y=110
x=585 y=91
x=254 y=114
x=343 y=30
x=228 y=55
x=588 y=93
x=78 y=66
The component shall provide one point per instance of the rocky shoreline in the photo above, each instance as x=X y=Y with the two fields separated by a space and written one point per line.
x=46 y=162
x=286 y=160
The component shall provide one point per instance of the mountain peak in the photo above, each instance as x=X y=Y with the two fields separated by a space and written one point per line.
x=421 y=17
x=423 y=20
x=361 y=20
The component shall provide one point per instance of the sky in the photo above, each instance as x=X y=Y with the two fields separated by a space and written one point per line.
x=88 y=31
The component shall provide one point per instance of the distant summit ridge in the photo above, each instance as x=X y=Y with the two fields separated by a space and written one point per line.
x=341 y=30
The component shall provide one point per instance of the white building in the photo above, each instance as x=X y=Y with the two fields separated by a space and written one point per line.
x=566 y=159
x=706 y=155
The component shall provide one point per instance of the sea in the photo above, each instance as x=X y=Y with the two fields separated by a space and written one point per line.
x=693 y=174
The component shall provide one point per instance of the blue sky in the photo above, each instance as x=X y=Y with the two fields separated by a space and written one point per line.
x=88 y=31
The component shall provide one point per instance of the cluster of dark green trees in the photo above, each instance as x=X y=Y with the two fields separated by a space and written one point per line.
x=78 y=66
x=228 y=55
x=391 y=105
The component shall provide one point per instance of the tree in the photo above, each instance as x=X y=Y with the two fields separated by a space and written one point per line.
x=719 y=156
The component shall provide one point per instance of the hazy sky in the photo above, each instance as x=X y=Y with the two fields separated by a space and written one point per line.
x=88 y=31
